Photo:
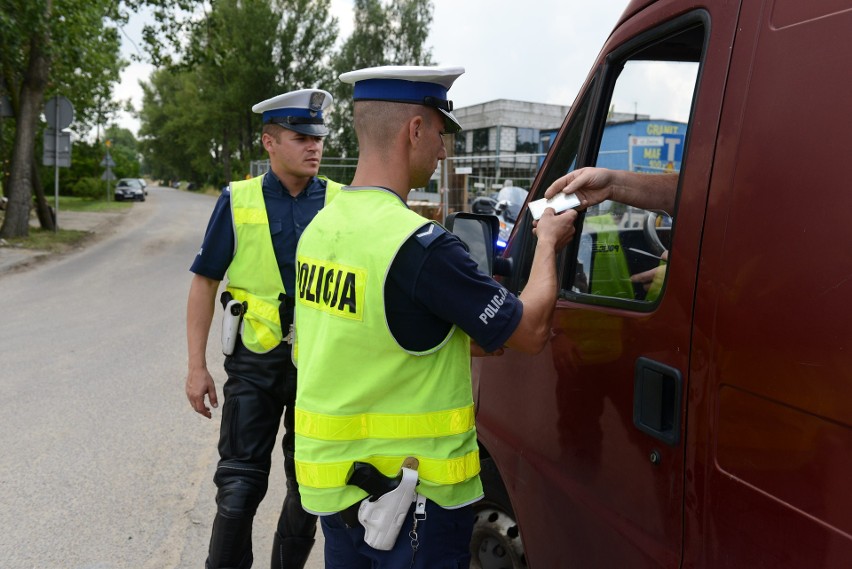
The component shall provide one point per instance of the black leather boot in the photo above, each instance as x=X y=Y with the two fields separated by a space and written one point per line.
x=290 y=552
x=230 y=544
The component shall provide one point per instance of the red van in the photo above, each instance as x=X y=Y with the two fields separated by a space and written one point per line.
x=707 y=424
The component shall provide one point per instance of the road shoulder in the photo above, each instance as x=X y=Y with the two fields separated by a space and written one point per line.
x=96 y=225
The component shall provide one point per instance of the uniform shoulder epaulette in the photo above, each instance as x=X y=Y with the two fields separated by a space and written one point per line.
x=427 y=234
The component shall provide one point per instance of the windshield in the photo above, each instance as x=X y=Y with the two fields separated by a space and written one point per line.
x=514 y=198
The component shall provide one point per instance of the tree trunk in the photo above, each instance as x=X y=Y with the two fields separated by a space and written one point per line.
x=17 y=220
x=46 y=218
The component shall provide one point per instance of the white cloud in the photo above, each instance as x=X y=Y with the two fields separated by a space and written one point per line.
x=537 y=50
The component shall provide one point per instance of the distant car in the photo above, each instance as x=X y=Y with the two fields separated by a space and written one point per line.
x=129 y=189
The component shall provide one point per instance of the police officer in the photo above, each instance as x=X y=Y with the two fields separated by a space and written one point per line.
x=388 y=303
x=252 y=236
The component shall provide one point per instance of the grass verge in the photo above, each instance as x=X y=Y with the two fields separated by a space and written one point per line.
x=54 y=242
x=68 y=203
x=64 y=239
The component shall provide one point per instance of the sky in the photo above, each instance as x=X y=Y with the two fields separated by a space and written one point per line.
x=538 y=51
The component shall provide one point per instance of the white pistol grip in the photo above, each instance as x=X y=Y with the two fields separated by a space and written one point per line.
x=231 y=321
x=383 y=518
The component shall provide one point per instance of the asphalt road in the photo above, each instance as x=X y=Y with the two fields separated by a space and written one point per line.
x=104 y=464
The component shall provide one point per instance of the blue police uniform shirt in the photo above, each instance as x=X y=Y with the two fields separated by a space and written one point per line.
x=433 y=283
x=288 y=216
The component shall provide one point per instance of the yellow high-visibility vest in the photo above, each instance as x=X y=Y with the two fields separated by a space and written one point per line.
x=360 y=395
x=253 y=275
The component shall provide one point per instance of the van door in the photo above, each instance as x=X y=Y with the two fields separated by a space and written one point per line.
x=588 y=436
x=772 y=391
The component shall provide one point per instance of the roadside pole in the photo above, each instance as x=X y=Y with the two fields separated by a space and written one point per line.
x=108 y=163
x=59 y=114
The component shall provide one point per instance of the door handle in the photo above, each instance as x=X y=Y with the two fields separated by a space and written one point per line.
x=657 y=391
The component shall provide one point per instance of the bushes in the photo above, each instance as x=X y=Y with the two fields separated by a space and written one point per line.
x=92 y=188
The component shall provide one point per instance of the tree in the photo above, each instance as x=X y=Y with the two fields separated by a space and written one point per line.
x=235 y=70
x=392 y=35
x=241 y=52
x=167 y=123
x=50 y=46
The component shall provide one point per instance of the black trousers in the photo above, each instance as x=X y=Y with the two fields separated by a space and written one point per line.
x=260 y=388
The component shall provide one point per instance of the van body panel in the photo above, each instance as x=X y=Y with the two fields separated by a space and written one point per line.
x=771 y=414
x=754 y=320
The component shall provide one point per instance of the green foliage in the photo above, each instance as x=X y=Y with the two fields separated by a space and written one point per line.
x=50 y=47
x=86 y=61
x=196 y=119
x=197 y=122
x=86 y=160
x=169 y=123
x=90 y=188
x=305 y=41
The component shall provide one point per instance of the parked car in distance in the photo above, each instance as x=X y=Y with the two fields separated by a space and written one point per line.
x=129 y=189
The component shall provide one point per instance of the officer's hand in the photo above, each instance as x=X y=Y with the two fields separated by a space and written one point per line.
x=199 y=383
x=556 y=230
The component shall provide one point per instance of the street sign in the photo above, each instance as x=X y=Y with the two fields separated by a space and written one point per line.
x=655 y=153
x=58 y=112
x=108 y=176
x=50 y=156
x=108 y=162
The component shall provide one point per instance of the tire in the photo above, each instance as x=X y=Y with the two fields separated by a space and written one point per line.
x=496 y=541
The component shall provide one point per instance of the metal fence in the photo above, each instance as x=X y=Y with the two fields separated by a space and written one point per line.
x=338 y=169
x=455 y=183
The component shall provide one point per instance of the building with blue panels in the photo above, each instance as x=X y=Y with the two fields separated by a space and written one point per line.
x=643 y=145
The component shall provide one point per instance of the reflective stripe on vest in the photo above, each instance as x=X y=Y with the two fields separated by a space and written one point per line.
x=360 y=396
x=371 y=425
x=444 y=471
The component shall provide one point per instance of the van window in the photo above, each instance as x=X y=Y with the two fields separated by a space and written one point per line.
x=564 y=155
x=622 y=250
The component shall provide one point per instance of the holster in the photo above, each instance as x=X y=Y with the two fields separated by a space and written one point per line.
x=383 y=518
x=231 y=321
x=382 y=515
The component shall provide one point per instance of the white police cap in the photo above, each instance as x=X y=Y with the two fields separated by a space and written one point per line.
x=415 y=84
x=300 y=111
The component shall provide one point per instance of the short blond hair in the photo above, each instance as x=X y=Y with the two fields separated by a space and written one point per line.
x=378 y=122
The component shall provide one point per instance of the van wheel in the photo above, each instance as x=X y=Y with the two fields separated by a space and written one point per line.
x=496 y=542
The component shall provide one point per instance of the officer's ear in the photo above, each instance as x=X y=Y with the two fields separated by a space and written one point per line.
x=416 y=129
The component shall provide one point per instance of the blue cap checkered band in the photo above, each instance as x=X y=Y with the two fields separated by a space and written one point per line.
x=291 y=112
x=398 y=90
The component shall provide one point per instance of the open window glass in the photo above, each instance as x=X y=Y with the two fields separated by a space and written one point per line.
x=623 y=248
